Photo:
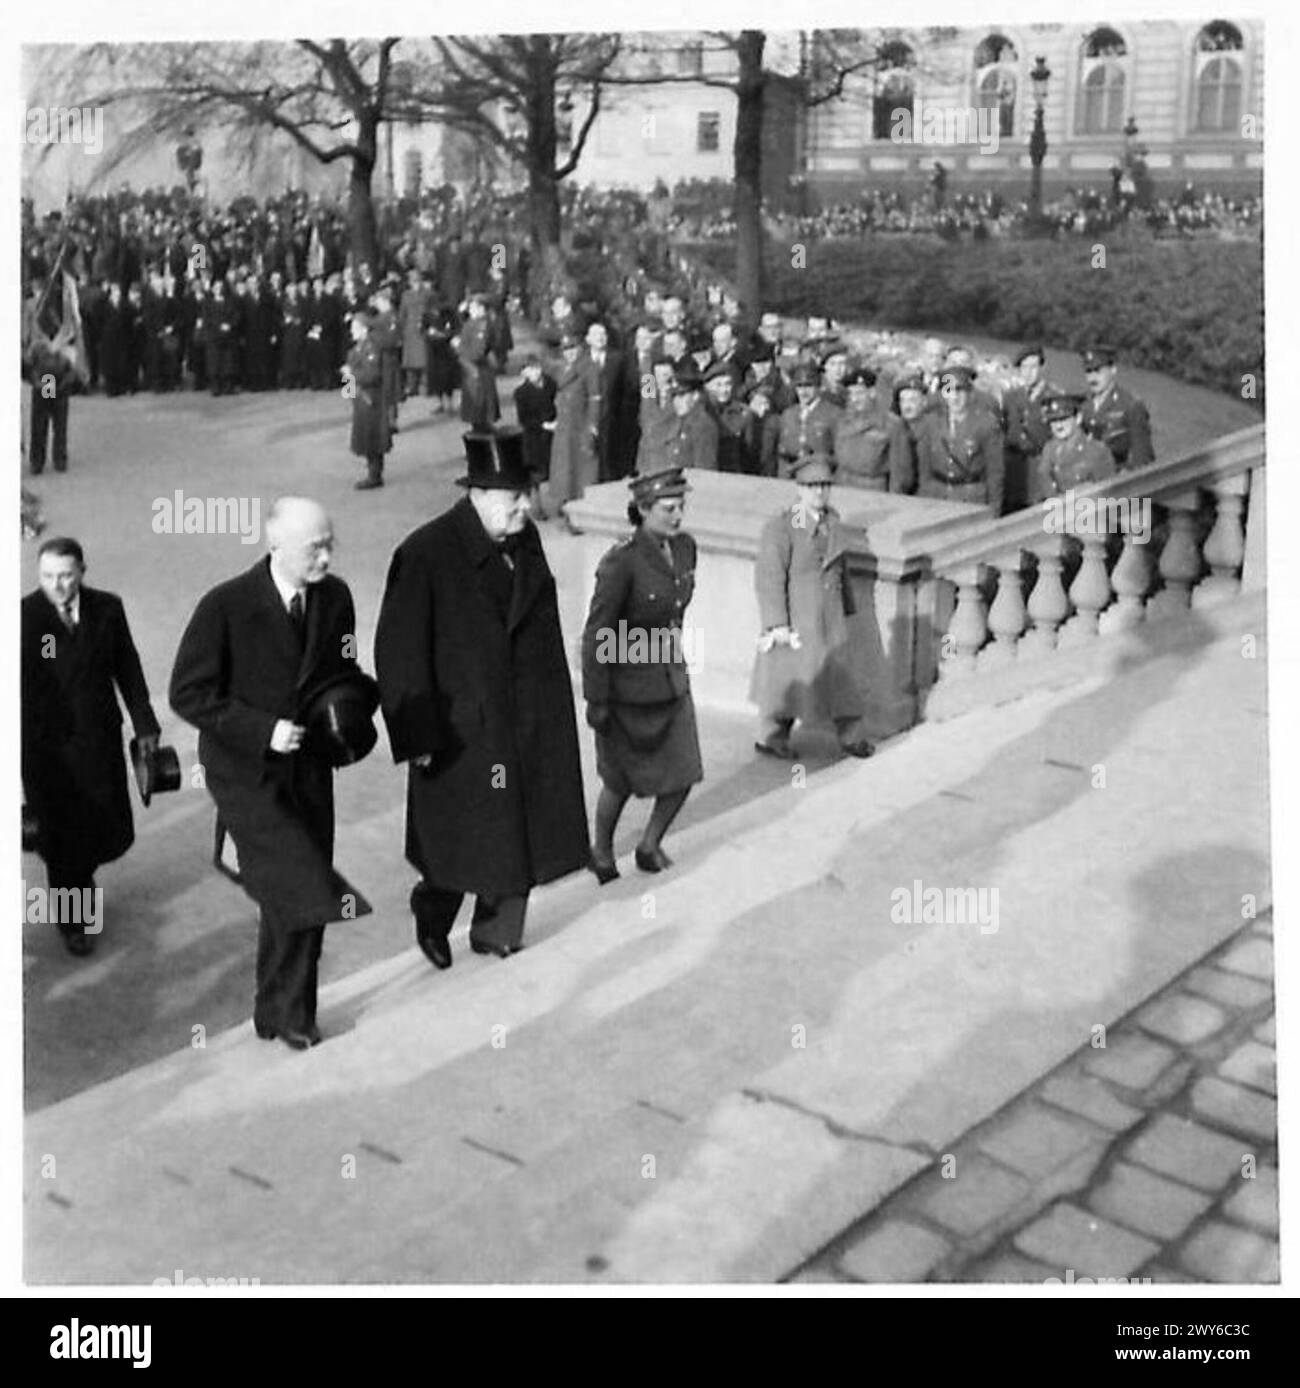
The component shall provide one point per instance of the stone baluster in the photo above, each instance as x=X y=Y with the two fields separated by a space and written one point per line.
x=968 y=630
x=1006 y=616
x=1048 y=603
x=1090 y=593
x=1225 y=546
x=1180 y=560
x=1131 y=580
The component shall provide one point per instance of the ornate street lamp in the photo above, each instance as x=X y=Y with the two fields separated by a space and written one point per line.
x=1038 y=76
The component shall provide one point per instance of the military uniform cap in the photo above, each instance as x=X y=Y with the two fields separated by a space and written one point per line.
x=653 y=486
x=812 y=467
x=1061 y=406
x=1099 y=354
x=716 y=369
x=860 y=376
x=806 y=374
x=1030 y=349
x=957 y=378
x=762 y=350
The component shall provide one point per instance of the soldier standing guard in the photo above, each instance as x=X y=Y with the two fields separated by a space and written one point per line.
x=1114 y=415
x=364 y=373
x=808 y=667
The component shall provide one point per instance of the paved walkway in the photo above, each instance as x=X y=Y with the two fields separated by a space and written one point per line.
x=1150 y=1156
x=711 y=1076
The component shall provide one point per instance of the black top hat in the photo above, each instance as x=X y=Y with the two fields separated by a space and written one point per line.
x=496 y=460
x=338 y=714
x=156 y=772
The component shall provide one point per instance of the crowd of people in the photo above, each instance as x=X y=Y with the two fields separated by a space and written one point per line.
x=1081 y=211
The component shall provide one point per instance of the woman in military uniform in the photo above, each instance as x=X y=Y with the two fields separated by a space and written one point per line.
x=634 y=674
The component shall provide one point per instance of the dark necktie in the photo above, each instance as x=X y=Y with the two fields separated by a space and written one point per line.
x=68 y=616
x=298 y=616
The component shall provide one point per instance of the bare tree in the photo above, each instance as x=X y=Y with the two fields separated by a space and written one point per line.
x=504 y=91
x=327 y=96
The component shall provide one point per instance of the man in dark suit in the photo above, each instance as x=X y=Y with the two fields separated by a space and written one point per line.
x=608 y=384
x=253 y=652
x=1027 y=430
x=478 y=701
x=76 y=652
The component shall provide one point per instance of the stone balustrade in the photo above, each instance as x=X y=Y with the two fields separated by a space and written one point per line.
x=999 y=590
x=955 y=608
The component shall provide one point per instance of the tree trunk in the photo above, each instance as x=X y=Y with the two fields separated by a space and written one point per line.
x=543 y=187
x=748 y=172
x=362 y=229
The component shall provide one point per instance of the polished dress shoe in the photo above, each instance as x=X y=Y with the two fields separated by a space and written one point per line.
x=298 y=1040
x=437 y=949
x=266 y=1033
x=862 y=748
x=606 y=869
x=79 y=944
x=368 y=484
x=501 y=951
x=653 y=861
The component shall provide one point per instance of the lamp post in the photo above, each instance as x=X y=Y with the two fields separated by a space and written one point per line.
x=1038 y=76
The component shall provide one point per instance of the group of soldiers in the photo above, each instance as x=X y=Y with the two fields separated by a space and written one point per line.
x=718 y=398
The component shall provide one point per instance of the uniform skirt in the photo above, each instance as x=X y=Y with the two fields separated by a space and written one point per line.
x=650 y=749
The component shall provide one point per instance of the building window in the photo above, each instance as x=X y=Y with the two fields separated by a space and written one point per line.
x=707 y=131
x=690 y=59
x=996 y=61
x=1218 y=78
x=1103 y=82
x=895 y=91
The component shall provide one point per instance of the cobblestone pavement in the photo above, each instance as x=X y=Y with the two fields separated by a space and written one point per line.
x=1150 y=1155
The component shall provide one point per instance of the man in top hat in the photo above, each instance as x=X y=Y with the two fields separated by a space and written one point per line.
x=477 y=700
x=808 y=426
x=250 y=665
x=872 y=449
x=694 y=442
x=1071 y=457
x=1114 y=415
x=77 y=658
x=1027 y=429
x=810 y=665
x=959 y=449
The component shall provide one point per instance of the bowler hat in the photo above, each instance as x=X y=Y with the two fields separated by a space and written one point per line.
x=686 y=378
x=806 y=374
x=156 y=772
x=338 y=714
x=762 y=350
x=495 y=460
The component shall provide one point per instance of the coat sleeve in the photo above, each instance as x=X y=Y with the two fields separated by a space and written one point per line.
x=129 y=676
x=404 y=638
x=994 y=468
x=772 y=574
x=1140 y=450
x=902 y=458
x=200 y=676
x=613 y=582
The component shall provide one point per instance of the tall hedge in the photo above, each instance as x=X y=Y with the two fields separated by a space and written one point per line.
x=1191 y=309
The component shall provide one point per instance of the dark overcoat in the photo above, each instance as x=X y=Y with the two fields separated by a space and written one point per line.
x=472 y=671
x=74 y=771
x=479 y=404
x=371 y=435
x=240 y=669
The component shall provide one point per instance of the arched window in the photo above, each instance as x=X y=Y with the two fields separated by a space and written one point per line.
x=996 y=62
x=1103 y=76
x=895 y=90
x=1217 y=77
